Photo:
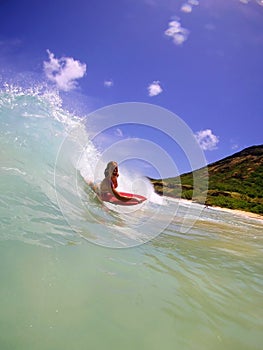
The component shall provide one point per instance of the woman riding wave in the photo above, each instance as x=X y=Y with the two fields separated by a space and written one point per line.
x=110 y=183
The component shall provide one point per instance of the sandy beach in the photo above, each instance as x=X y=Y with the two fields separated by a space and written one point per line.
x=242 y=213
x=239 y=212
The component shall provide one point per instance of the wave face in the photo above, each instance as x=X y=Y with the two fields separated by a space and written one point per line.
x=33 y=126
x=45 y=155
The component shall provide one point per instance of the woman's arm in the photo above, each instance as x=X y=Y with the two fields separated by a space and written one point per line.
x=123 y=198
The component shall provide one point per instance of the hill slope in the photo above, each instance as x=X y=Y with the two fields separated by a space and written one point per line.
x=235 y=182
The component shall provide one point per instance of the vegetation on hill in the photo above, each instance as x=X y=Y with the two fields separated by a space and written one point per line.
x=234 y=182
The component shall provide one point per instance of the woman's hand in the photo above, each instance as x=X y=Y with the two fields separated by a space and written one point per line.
x=137 y=200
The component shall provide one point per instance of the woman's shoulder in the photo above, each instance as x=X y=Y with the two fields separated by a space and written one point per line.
x=105 y=185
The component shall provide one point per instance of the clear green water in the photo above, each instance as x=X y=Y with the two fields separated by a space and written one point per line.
x=183 y=292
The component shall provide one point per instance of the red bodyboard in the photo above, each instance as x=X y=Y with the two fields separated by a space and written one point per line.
x=108 y=197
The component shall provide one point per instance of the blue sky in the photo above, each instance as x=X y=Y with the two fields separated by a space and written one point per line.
x=201 y=60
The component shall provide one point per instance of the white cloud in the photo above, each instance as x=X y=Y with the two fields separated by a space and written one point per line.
x=177 y=32
x=64 y=71
x=234 y=147
x=259 y=2
x=193 y=2
x=119 y=132
x=154 y=88
x=108 y=83
x=187 y=8
x=234 y=144
x=207 y=140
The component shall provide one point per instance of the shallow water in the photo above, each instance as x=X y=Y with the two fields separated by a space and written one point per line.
x=194 y=291
x=188 y=278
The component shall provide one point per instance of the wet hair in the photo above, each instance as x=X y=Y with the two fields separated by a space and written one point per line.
x=110 y=167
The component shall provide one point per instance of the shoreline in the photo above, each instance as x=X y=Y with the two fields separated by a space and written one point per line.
x=238 y=212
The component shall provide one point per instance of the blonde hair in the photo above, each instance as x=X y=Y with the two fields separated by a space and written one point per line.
x=110 y=167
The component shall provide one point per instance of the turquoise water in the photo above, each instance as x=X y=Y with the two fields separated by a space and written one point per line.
x=195 y=283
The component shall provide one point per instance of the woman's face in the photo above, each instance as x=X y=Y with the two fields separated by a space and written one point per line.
x=115 y=171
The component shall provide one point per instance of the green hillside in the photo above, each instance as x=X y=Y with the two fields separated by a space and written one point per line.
x=234 y=182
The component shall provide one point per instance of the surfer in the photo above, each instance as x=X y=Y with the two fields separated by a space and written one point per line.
x=110 y=183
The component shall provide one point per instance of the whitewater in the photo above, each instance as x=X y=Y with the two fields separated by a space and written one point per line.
x=76 y=273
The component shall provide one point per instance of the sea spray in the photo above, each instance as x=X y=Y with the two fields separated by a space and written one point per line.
x=46 y=158
x=33 y=126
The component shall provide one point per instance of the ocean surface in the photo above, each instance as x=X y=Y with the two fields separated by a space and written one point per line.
x=77 y=274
